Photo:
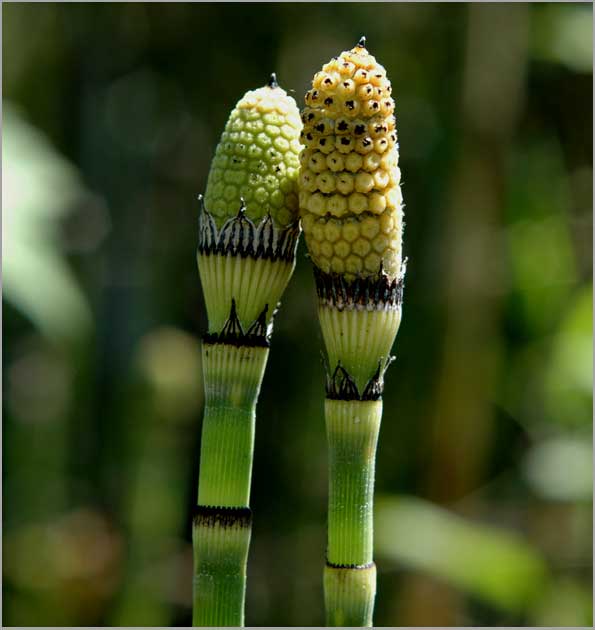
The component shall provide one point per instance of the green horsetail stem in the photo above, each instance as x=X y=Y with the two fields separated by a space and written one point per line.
x=352 y=215
x=248 y=232
x=221 y=539
x=352 y=431
x=232 y=376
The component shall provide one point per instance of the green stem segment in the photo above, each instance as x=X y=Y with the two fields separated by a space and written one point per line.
x=352 y=430
x=221 y=538
x=350 y=576
x=232 y=376
x=221 y=530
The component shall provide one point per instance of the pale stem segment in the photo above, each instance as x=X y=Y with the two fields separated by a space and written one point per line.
x=349 y=594
x=221 y=529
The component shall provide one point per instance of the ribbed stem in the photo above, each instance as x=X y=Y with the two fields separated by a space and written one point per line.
x=221 y=540
x=349 y=594
x=352 y=431
x=350 y=582
x=232 y=376
x=221 y=533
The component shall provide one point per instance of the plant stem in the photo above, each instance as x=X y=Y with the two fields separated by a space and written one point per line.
x=221 y=529
x=351 y=208
x=232 y=377
x=221 y=538
x=350 y=575
x=358 y=338
x=349 y=594
x=352 y=431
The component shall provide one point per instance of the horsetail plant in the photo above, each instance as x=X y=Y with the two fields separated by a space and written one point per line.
x=248 y=233
x=352 y=216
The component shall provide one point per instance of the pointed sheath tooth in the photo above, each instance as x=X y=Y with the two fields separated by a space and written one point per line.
x=350 y=202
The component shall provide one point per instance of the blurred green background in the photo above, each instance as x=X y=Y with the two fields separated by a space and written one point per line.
x=111 y=115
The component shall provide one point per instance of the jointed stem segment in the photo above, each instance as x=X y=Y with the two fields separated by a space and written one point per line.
x=350 y=574
x=232 y=376
x=359 y=322
x=349 y=594
x=221 y=529
x=352 y=432
x=221 y=538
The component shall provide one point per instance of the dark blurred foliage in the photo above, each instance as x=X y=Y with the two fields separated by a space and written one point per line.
x=111 y=115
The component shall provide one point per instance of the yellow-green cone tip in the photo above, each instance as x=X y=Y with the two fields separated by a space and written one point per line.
x=349 y=189
x=257 y=158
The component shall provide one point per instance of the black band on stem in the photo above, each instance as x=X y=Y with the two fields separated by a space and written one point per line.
x=241 y=236
x=377 y=292
x=209 y=516
x=351 y=567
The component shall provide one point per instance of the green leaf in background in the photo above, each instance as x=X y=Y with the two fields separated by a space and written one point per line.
x=494 y=564
x=38 y=189
x=563 y=37
x=566 y=602
x=569 y=377
x=561 y=469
